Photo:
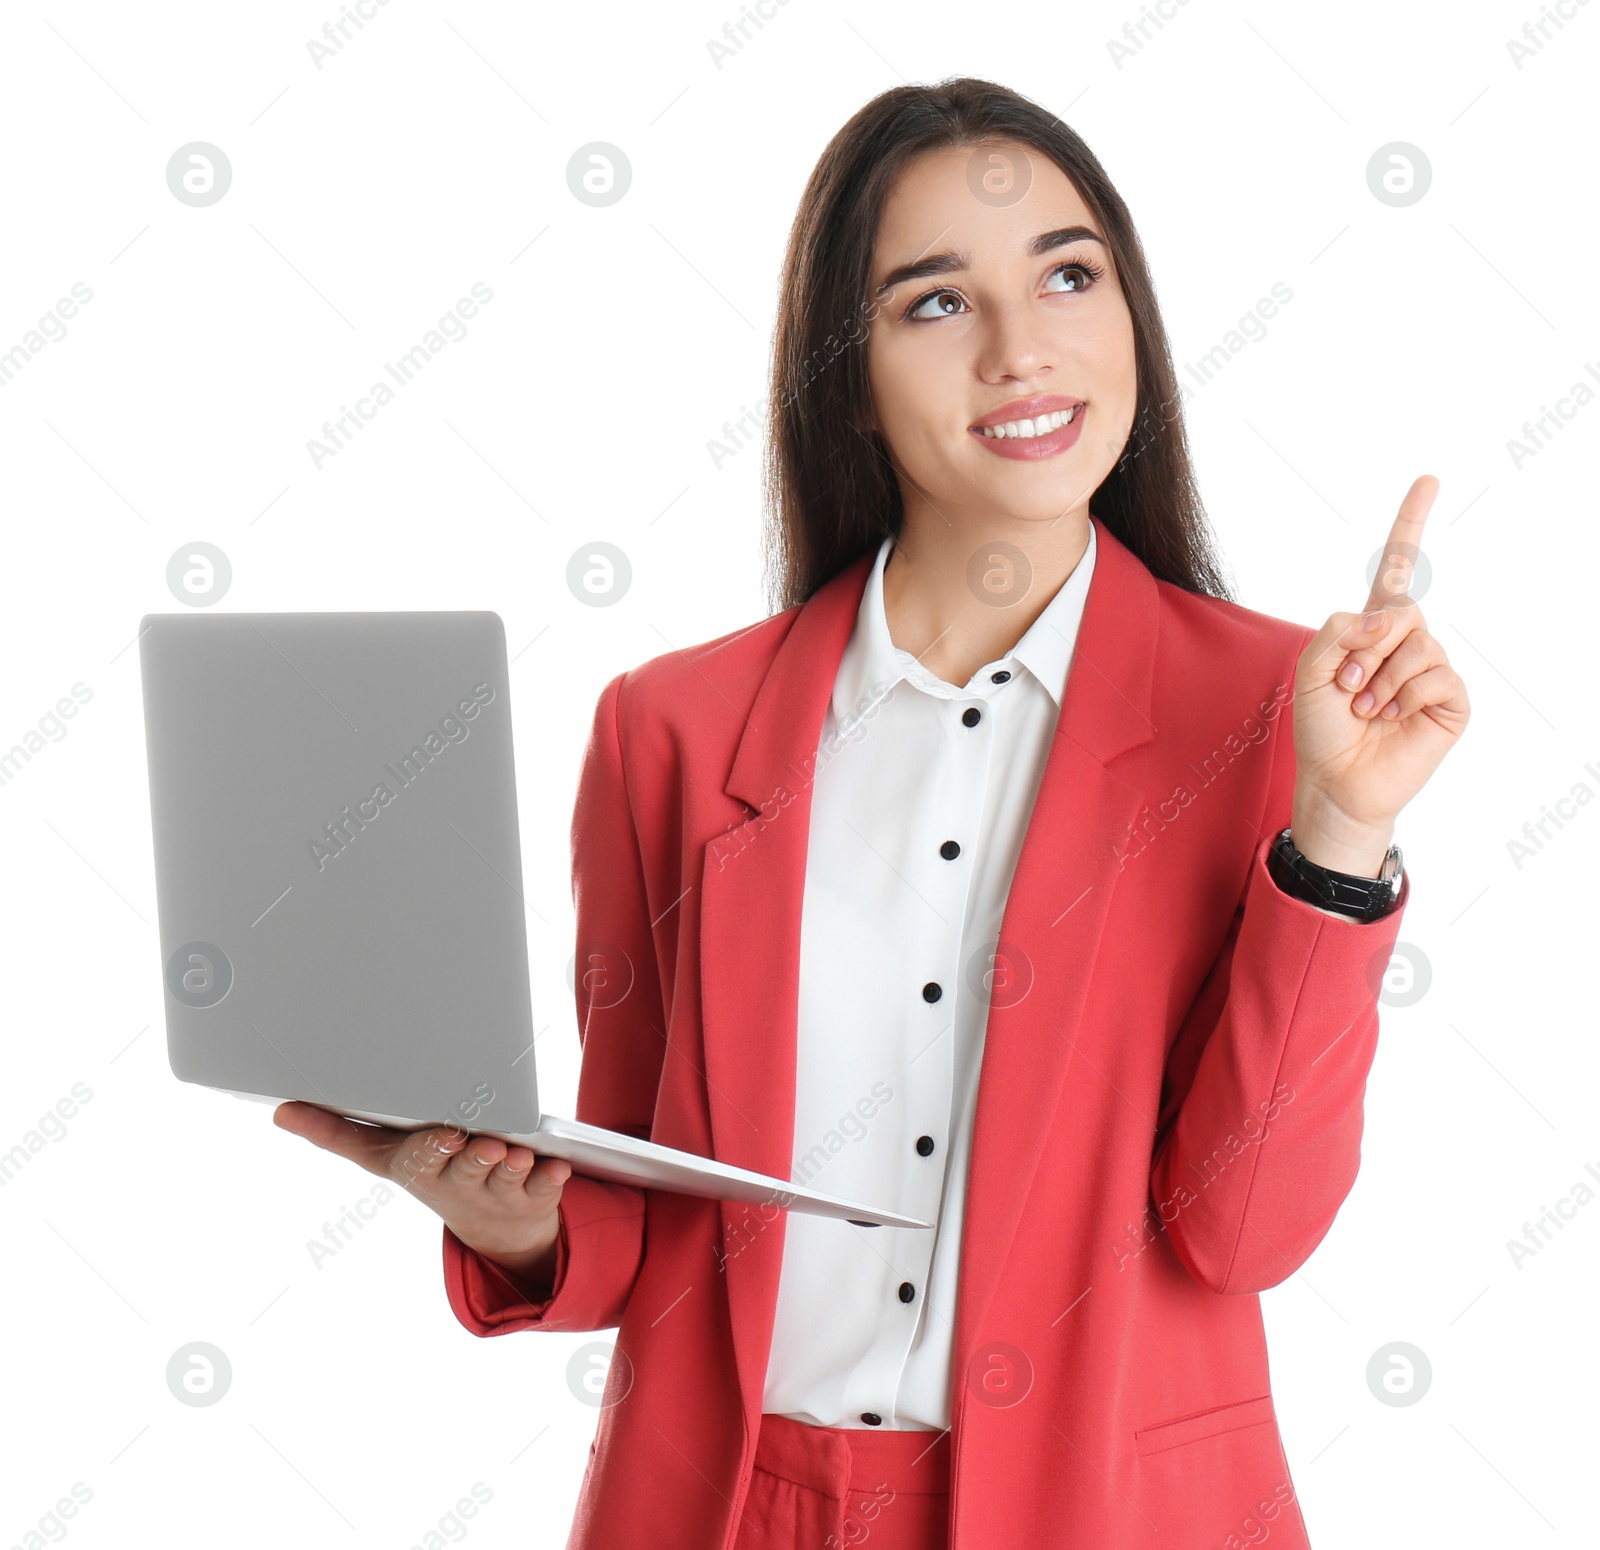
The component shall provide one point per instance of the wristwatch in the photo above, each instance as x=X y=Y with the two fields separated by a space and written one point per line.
x=1362 y=898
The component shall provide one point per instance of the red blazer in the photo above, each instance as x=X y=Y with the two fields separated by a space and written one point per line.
x=1169 y=1111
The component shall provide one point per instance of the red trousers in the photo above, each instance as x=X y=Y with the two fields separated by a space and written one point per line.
x=832 y=1488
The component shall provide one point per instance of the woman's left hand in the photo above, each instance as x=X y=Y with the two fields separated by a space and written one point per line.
x=1376 y=707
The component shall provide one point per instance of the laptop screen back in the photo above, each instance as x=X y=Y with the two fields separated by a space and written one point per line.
x=338 y=871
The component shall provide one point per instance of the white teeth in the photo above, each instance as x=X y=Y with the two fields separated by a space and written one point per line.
x=1039 y=427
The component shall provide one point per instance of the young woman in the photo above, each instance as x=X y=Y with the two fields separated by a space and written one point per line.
x=1011 y=875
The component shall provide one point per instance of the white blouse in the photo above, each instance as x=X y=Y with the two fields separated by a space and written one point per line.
x=921 y=796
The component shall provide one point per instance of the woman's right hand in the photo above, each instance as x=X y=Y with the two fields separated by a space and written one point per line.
x=500 y=1200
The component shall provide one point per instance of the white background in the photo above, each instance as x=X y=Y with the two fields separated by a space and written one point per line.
x=431 y=153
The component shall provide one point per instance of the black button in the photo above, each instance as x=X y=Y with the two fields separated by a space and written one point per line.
x=924 y=1144
x=950 y=850
x=871 y=1419
x=907 y=1291
x=931 y=992
x=999 y=678
x=971 y=716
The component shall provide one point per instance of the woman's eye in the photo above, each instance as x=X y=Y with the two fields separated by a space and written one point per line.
x=1081 y=276
x=942 y=298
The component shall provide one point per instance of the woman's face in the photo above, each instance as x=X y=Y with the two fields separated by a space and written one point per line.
x=1004 y=306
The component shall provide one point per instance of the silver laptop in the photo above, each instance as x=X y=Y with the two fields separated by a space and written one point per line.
x=339 y=883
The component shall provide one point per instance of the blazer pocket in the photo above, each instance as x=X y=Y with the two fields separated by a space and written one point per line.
x=1206 y=1423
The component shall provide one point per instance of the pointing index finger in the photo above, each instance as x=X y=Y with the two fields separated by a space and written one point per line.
x=1392 y=584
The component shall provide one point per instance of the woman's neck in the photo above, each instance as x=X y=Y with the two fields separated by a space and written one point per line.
x=956 y=599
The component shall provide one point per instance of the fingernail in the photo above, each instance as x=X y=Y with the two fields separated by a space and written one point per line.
x=1350 y=674
x=1373 y=620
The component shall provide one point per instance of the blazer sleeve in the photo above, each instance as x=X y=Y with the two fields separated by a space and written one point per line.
x=602 y=1235
x=1259 y=1136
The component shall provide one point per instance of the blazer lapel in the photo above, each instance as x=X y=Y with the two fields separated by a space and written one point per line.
x=1050 y=930
x=752 y=891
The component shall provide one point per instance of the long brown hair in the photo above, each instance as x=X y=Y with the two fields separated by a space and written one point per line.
x=831 y=493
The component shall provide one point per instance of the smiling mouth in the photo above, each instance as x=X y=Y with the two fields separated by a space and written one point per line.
x=1024 y=430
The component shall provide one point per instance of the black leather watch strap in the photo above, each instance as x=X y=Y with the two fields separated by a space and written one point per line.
x=1362 y=898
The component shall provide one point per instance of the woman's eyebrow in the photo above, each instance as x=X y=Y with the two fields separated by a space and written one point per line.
x=953 y=262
